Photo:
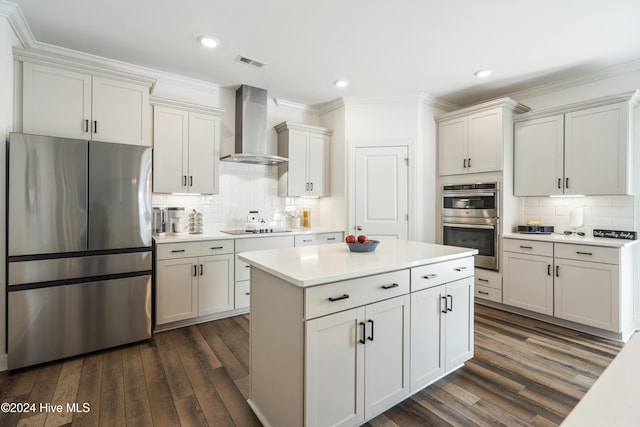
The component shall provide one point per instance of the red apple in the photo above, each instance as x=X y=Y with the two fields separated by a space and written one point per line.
x=362 y=238
x=350 y=238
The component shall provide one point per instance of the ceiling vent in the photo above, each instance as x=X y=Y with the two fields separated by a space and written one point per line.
x=251 y=61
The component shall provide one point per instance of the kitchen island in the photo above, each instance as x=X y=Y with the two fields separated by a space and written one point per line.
x=339 y=337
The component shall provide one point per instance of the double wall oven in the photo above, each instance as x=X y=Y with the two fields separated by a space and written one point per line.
x=470 y=218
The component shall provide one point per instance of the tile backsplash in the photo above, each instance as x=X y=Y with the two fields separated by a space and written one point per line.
x=607 y=212
x=243 y=187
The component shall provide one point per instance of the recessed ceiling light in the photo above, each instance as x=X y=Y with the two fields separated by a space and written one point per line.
x=482 y=73
x=208 y=42
x=341 y=83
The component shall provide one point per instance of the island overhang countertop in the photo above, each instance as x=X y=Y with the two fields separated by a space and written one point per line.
x=317 y=265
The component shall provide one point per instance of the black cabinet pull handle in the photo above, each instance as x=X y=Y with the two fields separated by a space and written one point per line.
x=483 y=293
x=480 y=279
x=175 y=251
x=370 y=338
x=195 y=270
x=307 y=187
x=306 y=240
x=450 y=298
x=526 y=247
x=566 y=184
x=86 y=125
x=548 y=269
x=559 y=182
x=95 y=126
x=184 y=180
x=469 y=162
x=445 y=305
x=584 y=253
x=217 y=247
x=344 y=296
x=460 y=268
x=464 y=163
x=557 y=271
x=430 y=276
x=391 y=286
x=201 y=269
x=247 y=293
x=247 y=266
x=331 y=238
x=364 y=333
x=190 y=181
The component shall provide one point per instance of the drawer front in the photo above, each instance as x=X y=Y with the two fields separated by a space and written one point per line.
x=261 y=243
x=588 y=253
x=531 y=247
x=431 y=275
x=189 y=249
x=326 y=299
x=490 y=294
x=317 y=239
x=243 y=270
x=488 y=279
x=242 y=294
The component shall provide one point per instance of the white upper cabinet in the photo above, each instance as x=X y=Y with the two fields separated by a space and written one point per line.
x=307 y=148
x=59 y=102
x=584 y=149
x=185 y=151
x=472 y=140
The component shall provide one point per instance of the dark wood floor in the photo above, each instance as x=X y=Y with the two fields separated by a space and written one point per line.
x=524 y=373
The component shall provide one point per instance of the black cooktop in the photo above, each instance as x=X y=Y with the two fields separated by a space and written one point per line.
x=260 y=231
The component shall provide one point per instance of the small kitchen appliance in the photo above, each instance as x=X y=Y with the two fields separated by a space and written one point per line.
x=159 y=217
x=253 y=221
x=176 y=218
x=535 y=229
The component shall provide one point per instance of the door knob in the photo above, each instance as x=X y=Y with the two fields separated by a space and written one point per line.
x=358 y=227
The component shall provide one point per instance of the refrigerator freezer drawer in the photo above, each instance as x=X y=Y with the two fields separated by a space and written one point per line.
x=52 y=323
x=49 y=270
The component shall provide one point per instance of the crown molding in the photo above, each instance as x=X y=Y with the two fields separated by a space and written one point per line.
x=295 y=106
x=505 y=102
x=330 y=106
x=436 y=102
x=18 y=23
x=305 y=128
x=187 y=106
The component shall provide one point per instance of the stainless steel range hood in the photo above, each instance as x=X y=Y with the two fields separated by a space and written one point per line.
x=251 y=129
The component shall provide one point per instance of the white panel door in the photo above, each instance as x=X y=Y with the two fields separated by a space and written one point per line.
x=588 y=293
x=381 y=192
x=215 y=284
x=316 y=158
x=334 y=371
x=596 y=150
x=203 y=155
x=452 y=146
x=484 y=148
x=56 y=102
x=176 y=290
x=539 y=157
x=528 y=282
x=386 y=354
x=170 y=149
x=458 y=323
x=120 y=112
x=427 y=335
x=298 y=158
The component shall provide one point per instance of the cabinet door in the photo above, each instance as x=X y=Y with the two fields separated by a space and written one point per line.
x=386 y=354
x=458 y=323
x=176 y=290
x=427 y=332
x=597 y=150
x=334 y=370
x=317 y=164
x=539 y=157
x=203 y=154
x=120 y=112
x=215 y=284
x=528 y=282
x=56 y=102
x=452 y=146
x=297 y=165
x=484 y=146
x=170 y=150
x=588 y=293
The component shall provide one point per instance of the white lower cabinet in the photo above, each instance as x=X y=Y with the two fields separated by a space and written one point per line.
x=190 y=283
x=358 y=363
x=441 y=330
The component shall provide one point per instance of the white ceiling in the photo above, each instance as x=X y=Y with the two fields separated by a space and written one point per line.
x=384 y=48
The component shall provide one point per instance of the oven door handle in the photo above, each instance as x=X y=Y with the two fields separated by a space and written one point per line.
x=467 y=225
x=468 y=195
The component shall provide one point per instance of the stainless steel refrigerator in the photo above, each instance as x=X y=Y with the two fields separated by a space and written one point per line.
x=79 y=261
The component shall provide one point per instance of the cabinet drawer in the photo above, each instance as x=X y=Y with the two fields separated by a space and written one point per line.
x=188 y=249
x=488 y=279
x=431 y=275
x=490 y=294
x=261 y=243
x=243 y=270
x=588 y=253
x=325 y=299
x=531 y=247
x=317 y=239
x=242 y=294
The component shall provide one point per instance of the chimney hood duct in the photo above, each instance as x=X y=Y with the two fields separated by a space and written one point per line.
x=251 y=129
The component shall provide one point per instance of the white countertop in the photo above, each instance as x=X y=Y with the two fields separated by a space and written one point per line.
x=578 y=240
x=219 y=235
x=316 y=265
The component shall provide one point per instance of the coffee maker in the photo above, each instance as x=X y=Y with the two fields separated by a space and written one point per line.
x=159 y=217
x=176 y=221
